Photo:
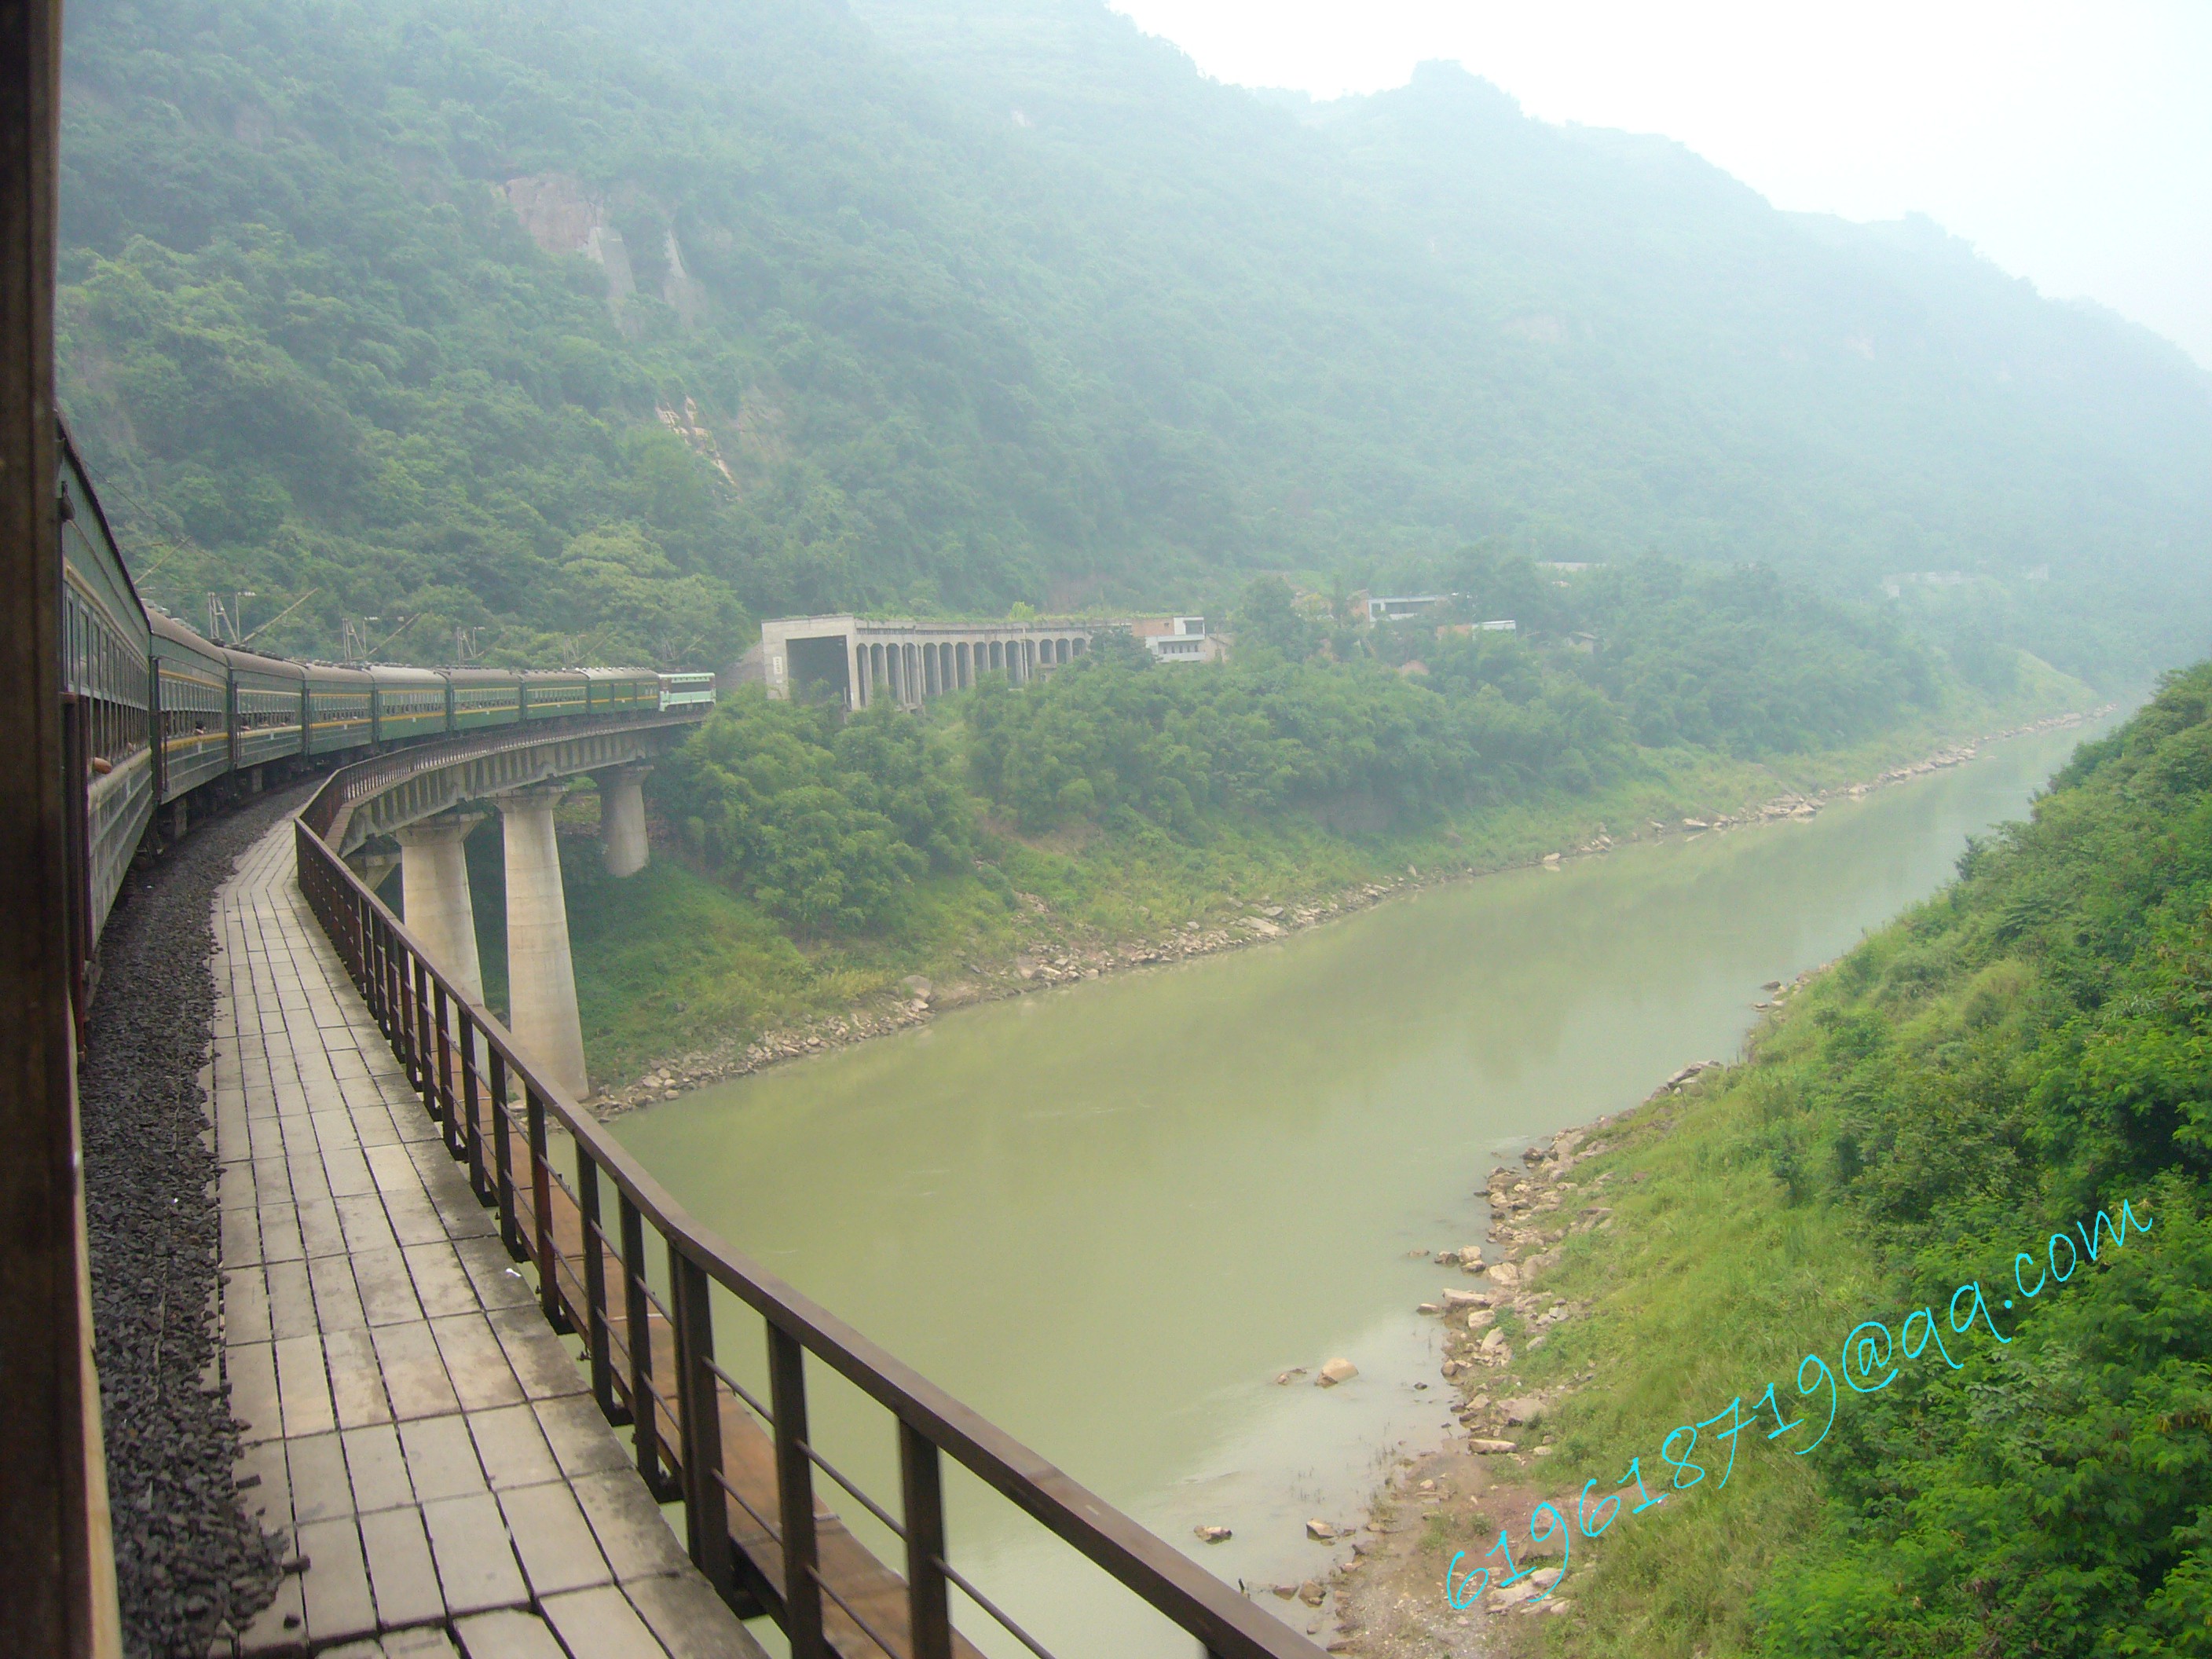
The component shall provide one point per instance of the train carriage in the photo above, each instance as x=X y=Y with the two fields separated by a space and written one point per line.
x=268 y=697
x=155 y=717
x=409 y=702
x=621 y=690
x=341 y=708
x=192 y=696
x=482 y=696
x=686 y=690
x=107 y=685
x=548 y=694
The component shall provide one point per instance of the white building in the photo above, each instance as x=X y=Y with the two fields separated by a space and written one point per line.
x=859 y=660
x=1179 y=639
x=1396 y=608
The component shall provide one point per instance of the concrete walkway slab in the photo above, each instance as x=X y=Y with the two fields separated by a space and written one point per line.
x=413 y=1426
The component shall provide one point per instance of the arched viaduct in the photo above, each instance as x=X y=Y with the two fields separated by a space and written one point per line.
x=861 y=661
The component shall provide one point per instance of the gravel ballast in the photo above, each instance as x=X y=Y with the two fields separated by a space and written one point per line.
x=189 y=1561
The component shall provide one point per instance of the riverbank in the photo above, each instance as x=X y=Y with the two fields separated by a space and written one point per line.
x=1974 y=1078
x=1061 y=939
x=1439 y=1514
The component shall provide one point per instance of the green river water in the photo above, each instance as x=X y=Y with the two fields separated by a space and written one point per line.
x=1107 y=1216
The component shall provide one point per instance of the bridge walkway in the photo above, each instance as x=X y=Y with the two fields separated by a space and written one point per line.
x=411 y=1421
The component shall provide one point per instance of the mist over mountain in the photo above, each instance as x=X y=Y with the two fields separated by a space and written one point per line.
x=607 y=325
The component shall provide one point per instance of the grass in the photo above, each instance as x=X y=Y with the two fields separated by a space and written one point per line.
x=1711 y=1283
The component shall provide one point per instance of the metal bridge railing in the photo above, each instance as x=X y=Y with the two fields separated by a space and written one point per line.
x=743 y=1468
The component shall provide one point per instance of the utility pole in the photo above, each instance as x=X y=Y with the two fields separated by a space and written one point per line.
x=224 y=622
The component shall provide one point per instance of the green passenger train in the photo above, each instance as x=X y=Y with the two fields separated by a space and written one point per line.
x=158 y=720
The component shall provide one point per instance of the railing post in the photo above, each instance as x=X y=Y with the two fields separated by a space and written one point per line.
x=502 y=1146
x=383 y=981
x=698 y=1408
x=541 y=1211
x=921 y=1487
x=395 y=1000
x=357 y=939
x=637 y=1317
x=372 y=965
x=596 y=1337
x=425 y=1075
x=471 y=1103
x=445 y=1113
x=794 y=1492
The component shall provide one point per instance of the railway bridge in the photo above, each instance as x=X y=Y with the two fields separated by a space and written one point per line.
x=425 y=801
x=620 y=1310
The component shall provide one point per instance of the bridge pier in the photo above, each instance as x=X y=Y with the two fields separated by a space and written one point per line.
x=541 y=977
x=433 y=886
x=622 y=817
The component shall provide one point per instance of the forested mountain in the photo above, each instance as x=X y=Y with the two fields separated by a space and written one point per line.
x=609 y=324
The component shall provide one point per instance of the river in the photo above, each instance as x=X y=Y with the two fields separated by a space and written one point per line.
x=1107 y=1216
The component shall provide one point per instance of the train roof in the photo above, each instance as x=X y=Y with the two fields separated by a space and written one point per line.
x=253 y=662
x=167 y=627
x=478 y=676
x=384 y=673
x=74 y=473
x=345 y=673
x=615 y=673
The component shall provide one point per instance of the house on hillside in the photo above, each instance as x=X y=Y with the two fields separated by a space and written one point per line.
x=1178 y=639
x=1399 y=607
x=1468 y=630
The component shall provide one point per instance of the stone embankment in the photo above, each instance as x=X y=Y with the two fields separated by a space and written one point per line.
x=192 y=1567
x=1388 y=1601
x=916 y=999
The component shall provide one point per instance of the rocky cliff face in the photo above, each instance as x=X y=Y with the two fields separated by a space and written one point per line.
x=562 y=217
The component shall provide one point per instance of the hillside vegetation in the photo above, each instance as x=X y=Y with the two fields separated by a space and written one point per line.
x=609 y=329
x=810 y=861
x=1958 y=1100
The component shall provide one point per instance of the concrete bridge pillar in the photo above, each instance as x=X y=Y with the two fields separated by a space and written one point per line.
x=375 y=869
x=622 y=817
x=541 y=977
x=434 y=888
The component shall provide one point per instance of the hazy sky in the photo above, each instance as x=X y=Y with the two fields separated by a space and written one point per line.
x=2072 y=143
